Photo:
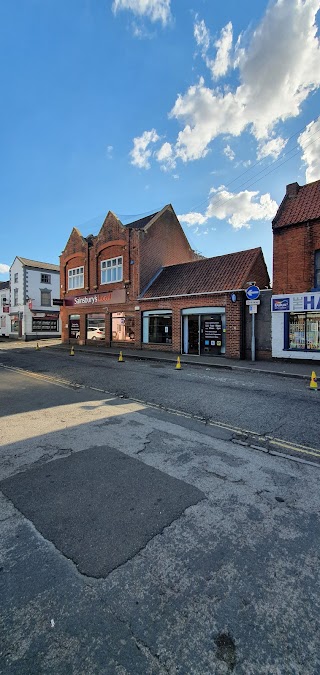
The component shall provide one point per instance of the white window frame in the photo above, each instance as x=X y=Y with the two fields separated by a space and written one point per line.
x=76 y=278
x=111 y=270
x=48 y=291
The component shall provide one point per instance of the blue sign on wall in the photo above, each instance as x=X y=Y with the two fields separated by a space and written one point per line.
x=281 y=304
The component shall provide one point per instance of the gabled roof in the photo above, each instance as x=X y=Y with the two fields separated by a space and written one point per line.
x=140 y=224
x=300 y=204
x=222 y=273
x=39 y=265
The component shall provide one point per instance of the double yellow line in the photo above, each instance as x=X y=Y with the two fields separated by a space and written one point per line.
x=279 y=443
x=271 y=440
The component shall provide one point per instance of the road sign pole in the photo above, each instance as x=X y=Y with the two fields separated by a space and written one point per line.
x=253 y=339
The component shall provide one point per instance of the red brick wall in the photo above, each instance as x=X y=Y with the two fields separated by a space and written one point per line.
x=164 y=243
x=259 y=273
x=113 y=241
x=234 y=320
x=293 y=257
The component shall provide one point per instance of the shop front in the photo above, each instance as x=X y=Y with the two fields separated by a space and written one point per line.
x=296 y=326
x=45 y=323
x=95 y=317
x=204 y=330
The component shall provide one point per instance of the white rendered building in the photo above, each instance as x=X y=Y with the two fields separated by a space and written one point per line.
x=4 y=308
x=33 y=286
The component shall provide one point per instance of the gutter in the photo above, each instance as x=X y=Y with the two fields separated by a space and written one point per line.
x=192 y=295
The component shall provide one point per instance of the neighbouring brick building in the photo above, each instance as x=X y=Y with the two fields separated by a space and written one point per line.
x=142 y=285
x=296 y=274
x=204 y=303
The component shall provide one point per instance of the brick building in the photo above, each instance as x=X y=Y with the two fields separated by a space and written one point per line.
x=203 y=304
x=102 y=276
x=296 y=274
x=142 y=285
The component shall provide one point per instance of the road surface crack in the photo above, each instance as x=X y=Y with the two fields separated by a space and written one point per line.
x=163 y=669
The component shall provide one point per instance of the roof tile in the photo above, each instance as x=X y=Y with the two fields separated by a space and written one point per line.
x=299 y=207
x=39 y=265
x=139 y=224
x=209 y=275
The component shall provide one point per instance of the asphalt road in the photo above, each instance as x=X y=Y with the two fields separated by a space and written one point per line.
x=267 y=405
x=134 y=541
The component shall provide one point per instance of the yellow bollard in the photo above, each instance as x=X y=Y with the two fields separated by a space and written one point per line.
x=120 y=359
x=313 y=381
x=178 y=366
x=37 y=347
x=72 y=351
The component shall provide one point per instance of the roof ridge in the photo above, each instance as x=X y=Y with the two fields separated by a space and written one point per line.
x=256 y=249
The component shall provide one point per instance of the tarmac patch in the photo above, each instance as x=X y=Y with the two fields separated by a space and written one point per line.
x=99 y=506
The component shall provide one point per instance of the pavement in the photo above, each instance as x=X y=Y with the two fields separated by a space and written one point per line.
x=289 y=368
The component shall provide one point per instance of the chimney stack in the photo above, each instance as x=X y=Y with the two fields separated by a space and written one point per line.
x=292 y=189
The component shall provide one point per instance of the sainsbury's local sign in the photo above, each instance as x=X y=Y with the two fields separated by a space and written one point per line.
x=297 y=302
x=91 y=299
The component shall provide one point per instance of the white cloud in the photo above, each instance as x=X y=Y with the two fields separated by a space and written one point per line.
x=272 y=148
x=238 y=209
x=155 y=10
x=207 y=113
x=202 y=36
x=309 y=141
x=219 y=66
x=4 y=269
x=229 y=153
x=278 y=70
x=193 y=218
x=165 y=157
x=140 y=154
x=110 y=151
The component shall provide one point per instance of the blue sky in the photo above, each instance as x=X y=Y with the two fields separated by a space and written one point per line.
x=129 y=105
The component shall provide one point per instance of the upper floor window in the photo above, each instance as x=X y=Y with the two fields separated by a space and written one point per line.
x=76 y=278
x=46 y=278
x=15 y=296
x=16 y=278
x=317 y=269
x=45 y=298
x=111 y=270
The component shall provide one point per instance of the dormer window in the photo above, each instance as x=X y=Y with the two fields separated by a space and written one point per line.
x=111 y=270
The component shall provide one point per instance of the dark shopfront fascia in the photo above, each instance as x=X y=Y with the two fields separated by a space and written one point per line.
x=45 y=323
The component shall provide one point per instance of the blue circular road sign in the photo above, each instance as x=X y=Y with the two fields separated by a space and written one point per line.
x=253 y=292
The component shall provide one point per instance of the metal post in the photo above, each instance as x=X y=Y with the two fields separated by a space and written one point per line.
x=253 y=340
